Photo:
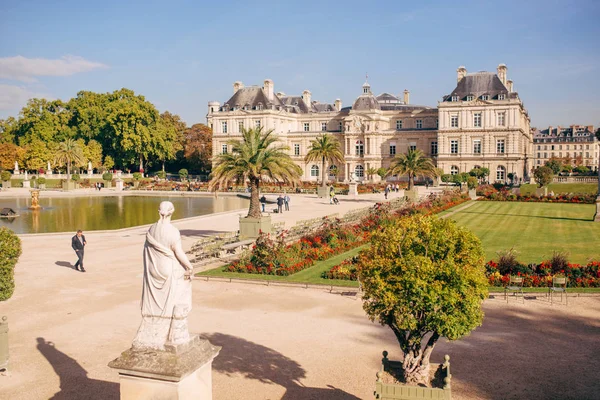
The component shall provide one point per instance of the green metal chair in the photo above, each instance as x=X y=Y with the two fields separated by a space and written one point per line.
x=559 y=284
x=515 y=285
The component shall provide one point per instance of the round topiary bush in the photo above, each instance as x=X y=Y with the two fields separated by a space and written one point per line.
x=10 y=251
x=183 y=174
x=75 y=177
x=5 y=176
x=41 y=180
x=107 y=176
x=161 y=174
x=137 y=176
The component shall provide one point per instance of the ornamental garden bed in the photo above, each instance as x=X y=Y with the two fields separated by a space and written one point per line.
x=491 y=193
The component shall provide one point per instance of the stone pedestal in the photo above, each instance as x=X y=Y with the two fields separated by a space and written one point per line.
x=543 y=191
x=27 y=183
x=119 y=185
x=473 y=194
x=323 y=192
x=597 y=215
x=251 y=227
x=182 y=372
x=352 y=189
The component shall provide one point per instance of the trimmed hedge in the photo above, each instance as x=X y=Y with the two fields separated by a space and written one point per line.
x=10 y=250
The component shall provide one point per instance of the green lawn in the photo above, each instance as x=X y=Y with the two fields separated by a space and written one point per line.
x=310 y=275
x=534 y=229
x=557 y=188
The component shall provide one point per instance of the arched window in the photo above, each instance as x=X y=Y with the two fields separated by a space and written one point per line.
x=314 y=171
x=500 y=173
x=359 y=171
x=360 y=148
x=454 y=170
x=333 y=169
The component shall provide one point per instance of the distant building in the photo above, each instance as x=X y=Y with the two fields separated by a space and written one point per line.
x=481 y=123
x=574 y=145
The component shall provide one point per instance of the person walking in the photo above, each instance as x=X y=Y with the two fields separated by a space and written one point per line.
x=386 y=191
x=331 y=194
x=263 y=201
x=280 y=204
x=78 y=244
x=286 y=201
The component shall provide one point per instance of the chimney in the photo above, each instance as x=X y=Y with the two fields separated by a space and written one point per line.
x=280 y=94
x=268 y=88
x=509 y=85
x=406 y=96
x=550 y=130
x=338 y=104
x=461 y=72
x=306 y=96
x=502 y=73
x=237 y=85
x=590 y=128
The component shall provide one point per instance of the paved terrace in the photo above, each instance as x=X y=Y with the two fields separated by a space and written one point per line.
x=278 y=342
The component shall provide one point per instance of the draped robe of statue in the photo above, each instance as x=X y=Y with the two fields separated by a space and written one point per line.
x=166 y=293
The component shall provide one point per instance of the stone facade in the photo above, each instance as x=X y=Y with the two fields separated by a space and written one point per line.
x=576 y=145
x=376 y=128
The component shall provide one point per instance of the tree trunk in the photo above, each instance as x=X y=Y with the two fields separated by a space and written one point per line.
x=254 y=210
x=163 y=166
x=416 y=364
x=324 y=174
x=411 y=181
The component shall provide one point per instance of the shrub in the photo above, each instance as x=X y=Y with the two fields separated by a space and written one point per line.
x=41 y=180
x=75 y=178
x=543 y=176
x=555 y=165
x=107 y=176
x=423 y=277
x=137 y=176
x=5 y=176
x=183 y=174
x=559 y=261
x=10 y=250
x=161 y=174
x=446 y=178
x=472 y=182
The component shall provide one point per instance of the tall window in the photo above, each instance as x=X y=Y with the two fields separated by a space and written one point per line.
x=454 y=147
x=501 y=119
x=477 y=120
x=412 y=146
x=224 y=149
x=359 y=171
x=454 y=121
x=224 y=126
x=398 y=124
x=296 y=149
x=477 y=146
x=314 y=171
x=500 y=146
x=360 y=148
x=323 y=126
x=454 y=170
x=419 y=123
x=434 y=148
x=306 y=127
x=500 y=173
x=240 y=126
x=257 y=124
x=340 y=126
x=392 y=149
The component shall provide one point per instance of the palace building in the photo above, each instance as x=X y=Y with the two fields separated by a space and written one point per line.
x=481 y=123
x=575 y=145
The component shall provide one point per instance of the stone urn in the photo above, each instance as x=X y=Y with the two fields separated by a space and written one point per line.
x=386 y=390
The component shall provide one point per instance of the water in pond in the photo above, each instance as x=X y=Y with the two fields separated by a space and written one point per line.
x=100 y=212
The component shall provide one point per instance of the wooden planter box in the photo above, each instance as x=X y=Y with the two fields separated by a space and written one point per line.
x=250 y=227
x=399 y=391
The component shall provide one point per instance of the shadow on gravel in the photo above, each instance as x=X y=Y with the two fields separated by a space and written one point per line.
x=64 y=264
x=198 y=233
x=254 y=361
x=74 y=382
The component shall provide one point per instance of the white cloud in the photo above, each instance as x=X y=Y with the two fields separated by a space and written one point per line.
x=26 y=69
x=15 y=97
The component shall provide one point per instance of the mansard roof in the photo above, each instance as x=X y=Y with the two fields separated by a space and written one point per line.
x=387 y=97
x=480 y=83
x=252 y=96
x=366 y=102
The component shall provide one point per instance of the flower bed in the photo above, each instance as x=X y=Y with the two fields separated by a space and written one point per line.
x=490 y=193
x=346 y=270
x=540 y=275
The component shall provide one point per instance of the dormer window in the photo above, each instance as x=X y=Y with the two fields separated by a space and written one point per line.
x=246 y=107
x=501 y=97
x=485 y=97
x=455 y=98
x=259 y=106
x=470 y=97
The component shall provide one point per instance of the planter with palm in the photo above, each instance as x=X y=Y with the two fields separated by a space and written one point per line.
x=257 y=158
x=371 y=172
x=326 y=149
x=414 y=163
x=68 y=152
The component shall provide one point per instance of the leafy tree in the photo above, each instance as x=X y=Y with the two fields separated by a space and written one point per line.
x=472 y=182
x=543 y=176
x=446 y=178
x=197 y=148
x=476 y=172
x=170 y=137
x=257 y=157
x=92 y=151
x=88 y=113
x=370 y=172
x=10 y=251
x=582 y=169
x=8 y=129
x=68 y=152
x=414 y=163
x=109 y=163
x=9 y=153
x=485 y=172
x=554 y=164
x=327 y=149
x=37 y=154
x=423 y=277
x=43 y=120
x=568 y=168
x=382 y=172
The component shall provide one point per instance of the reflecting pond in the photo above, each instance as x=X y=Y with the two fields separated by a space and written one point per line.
x=107 y=212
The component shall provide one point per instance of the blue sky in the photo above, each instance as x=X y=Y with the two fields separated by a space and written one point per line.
x=181 y=54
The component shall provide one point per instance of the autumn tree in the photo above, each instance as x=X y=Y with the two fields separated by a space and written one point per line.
x=197 y=148
x=9 y=153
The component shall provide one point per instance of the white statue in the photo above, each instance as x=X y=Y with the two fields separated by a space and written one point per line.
x=16 y=172
x=167 y=286
x=49 y=169
x=26 y=177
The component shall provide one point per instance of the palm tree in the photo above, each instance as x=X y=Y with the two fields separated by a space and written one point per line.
x=370 y=172
x=325 y=148
x=256 y=158
x=68 y=152
x=414 y=163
